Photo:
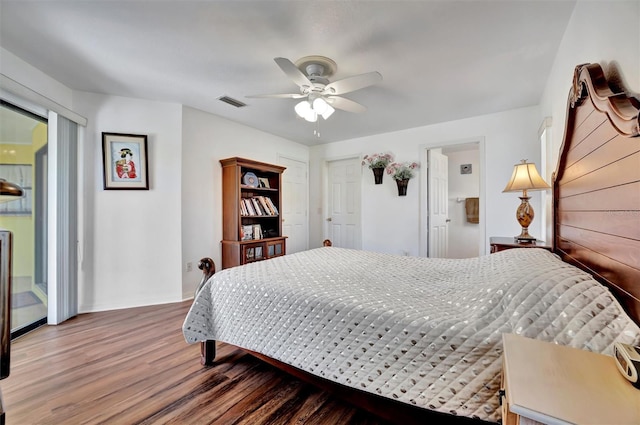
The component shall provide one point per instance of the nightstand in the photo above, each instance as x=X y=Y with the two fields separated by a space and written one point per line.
x=553 y=384
x=502 y=244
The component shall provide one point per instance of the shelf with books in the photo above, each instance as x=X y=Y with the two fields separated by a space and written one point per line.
x=251 y=204
x=257 y=206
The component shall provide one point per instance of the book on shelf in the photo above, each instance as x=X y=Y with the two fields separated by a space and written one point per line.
x=272 y=206
x=243 y=208
x=256 y=206
x=257 y=231
x=265 y=205
x=249 y=206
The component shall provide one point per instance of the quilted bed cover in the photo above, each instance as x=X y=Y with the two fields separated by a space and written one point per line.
x=427 y=332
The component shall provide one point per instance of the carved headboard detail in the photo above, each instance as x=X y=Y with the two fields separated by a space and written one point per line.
x=596 y=187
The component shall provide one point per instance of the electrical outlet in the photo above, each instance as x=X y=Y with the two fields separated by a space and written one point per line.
x=189 y=266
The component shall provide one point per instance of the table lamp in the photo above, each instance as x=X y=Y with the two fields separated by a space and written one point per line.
x=525 y=177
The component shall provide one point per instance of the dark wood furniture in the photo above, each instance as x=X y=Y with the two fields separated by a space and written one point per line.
x=6 y=252
x=596 y=213
x=236 y=192
x=501 y=244
x=596 y=188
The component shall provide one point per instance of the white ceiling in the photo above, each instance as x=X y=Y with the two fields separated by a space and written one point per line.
x=440 y=60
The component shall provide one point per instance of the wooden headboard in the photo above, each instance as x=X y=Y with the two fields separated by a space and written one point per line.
x=596 y=187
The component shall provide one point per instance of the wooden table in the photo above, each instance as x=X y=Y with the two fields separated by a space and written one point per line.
x=501 y=244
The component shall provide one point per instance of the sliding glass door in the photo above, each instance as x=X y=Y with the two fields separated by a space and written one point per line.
x=23 y=160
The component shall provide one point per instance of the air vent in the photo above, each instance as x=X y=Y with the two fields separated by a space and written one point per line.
x=231 y=101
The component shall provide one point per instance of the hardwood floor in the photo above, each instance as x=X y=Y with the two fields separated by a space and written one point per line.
x=134 y=367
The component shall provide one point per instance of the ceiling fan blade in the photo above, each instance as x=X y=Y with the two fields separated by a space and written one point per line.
x=345 y=104
x=279 y=96
x=354 y=83
x=293 y=72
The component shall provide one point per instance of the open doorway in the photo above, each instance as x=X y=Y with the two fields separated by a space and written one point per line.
x=23 y=147
x=452 y=201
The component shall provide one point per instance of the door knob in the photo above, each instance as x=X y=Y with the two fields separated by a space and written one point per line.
x=329 y=219
x=448 y=220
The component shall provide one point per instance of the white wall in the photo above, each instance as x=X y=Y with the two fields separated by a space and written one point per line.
x=206 y=139
x=391 y=223
x=604 y=32
x=130 y=251
x=463 y=236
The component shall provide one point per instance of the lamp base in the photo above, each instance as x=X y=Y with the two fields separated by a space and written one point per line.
x=524 y=214
x=525 y=237
x=524 y=240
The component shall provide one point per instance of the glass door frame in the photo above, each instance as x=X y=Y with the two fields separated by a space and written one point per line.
x=41 y=218
x=40 y=198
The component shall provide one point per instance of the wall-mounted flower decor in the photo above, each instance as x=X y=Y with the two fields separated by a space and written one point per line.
x=377 y=162
x=402 y=172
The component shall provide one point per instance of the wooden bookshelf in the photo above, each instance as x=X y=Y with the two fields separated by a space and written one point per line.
x=251 y=207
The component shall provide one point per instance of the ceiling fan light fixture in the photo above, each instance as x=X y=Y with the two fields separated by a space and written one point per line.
x=311 y=116
x=303 y=108
x=328 y=112
x=320 y=105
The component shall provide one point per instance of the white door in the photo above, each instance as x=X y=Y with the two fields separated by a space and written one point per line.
x=438 y=186
x=295 y=224
x=343 y=203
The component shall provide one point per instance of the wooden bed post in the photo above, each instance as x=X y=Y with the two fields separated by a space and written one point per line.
x=207 y=352
x=208 y=347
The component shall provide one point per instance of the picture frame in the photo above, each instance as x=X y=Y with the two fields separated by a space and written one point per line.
x=264 y=182
x=125 y=161
x=247 y=232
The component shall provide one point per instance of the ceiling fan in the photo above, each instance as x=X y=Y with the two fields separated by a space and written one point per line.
x=311 y=74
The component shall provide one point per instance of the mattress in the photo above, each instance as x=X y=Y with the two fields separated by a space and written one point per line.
x=427 y=332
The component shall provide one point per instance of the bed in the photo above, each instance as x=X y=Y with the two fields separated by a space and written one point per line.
x=416 y=339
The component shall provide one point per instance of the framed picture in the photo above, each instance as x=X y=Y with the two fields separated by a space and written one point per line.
x=247 y=232
x=264 y=182
x=124 y=161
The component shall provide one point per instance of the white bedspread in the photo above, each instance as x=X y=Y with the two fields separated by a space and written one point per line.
x=422 y=331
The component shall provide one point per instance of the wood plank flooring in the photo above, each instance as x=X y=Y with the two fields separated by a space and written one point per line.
x=133 y=367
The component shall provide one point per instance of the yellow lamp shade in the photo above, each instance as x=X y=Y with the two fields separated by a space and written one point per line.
x=525 y=177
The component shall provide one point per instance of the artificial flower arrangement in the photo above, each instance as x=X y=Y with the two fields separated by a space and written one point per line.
x=403 y=170
x=377 y=160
